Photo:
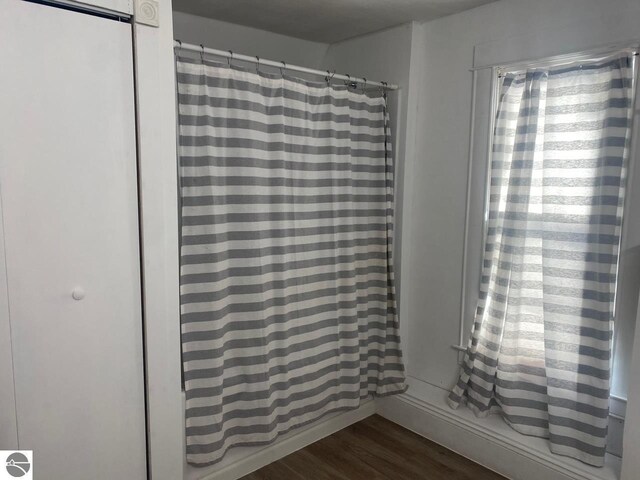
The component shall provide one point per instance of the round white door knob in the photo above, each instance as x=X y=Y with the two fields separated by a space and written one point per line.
x=78 y=293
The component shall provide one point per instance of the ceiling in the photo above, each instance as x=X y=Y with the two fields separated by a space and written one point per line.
x=326 y=21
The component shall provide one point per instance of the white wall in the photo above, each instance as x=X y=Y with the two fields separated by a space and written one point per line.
x=433 y=245
x=246 y=40
x=384 y=56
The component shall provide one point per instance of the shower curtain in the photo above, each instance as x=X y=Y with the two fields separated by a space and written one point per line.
x=287 y=293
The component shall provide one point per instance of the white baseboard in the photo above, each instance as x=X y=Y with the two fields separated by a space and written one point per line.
x=244 y=460
x=488 y=441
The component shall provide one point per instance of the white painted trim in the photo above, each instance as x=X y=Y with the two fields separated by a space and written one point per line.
x=465 y=245
x=631 y=440
x=487 y=441
x=8 y=412
x=157 y=171
x=404 y=234
x=617 y=412
x=631 y=461
x=617 y=406
x=254 y=458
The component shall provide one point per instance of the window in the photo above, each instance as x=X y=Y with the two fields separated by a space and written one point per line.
x=560 y=133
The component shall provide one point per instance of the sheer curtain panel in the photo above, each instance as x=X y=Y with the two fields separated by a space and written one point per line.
x=540 y=350
x=287 y=291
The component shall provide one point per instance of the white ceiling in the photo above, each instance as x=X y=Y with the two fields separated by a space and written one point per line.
x=325 y=21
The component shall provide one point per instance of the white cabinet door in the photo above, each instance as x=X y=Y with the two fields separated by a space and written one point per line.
x=119 y=6
x=68 y=193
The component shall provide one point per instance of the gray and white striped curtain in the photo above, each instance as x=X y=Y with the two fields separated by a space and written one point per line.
x=287 y=291
x=540 y=351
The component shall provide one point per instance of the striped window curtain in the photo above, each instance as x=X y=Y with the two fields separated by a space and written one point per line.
x=540 y=350
x=287 y=290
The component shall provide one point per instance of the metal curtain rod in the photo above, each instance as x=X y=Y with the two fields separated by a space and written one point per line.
x=282 y=65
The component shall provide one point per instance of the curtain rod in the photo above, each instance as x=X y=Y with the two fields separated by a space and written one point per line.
x=285 y=66
x=567 y=58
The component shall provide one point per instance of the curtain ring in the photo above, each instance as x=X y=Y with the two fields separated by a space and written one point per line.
x=229 y=58
x=283 y=68
x=329 y=77
x=179 y=45
x=348 y=83
x=384 y=89
x=364 y=85
x=202 y=53
x=257 y=64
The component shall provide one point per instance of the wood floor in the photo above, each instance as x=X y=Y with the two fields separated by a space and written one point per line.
x=373 y=449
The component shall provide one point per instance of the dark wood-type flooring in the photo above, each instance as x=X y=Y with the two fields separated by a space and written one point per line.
x=373 y=449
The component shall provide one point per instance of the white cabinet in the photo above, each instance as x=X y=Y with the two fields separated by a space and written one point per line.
x=119 y=6
x=70 y=284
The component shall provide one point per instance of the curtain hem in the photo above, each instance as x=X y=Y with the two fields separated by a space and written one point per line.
x=372 y=396
x=565 y=451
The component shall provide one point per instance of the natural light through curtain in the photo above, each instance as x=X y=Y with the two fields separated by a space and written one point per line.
x=540 y=349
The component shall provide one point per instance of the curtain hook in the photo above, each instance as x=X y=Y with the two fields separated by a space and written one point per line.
x=383 y=89
x=329 y=77
x=229 y=58
x=202 y=53
x=364 y=85
x=283 y=68
x=257 y=64
x=179 y=46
